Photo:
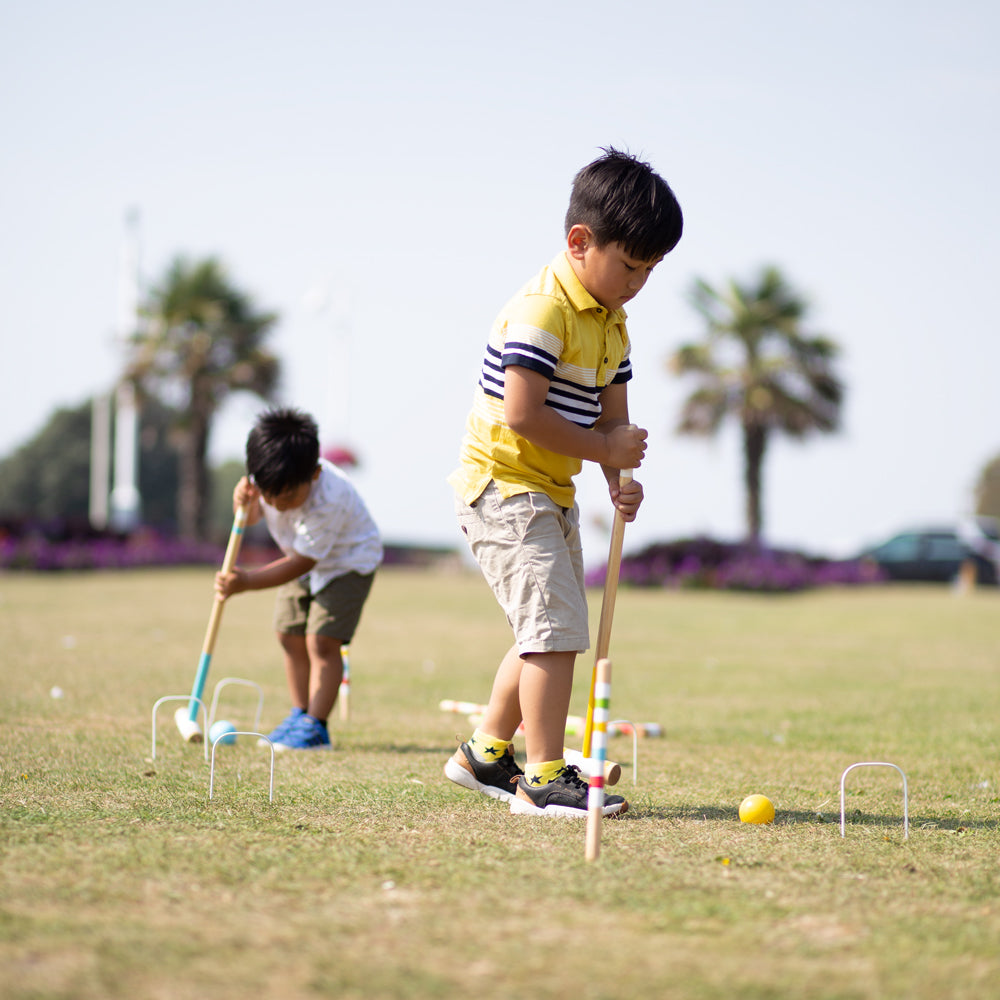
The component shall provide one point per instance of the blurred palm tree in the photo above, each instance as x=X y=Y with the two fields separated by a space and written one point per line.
x=987 y=489
x=202 y=340
x=757 y=365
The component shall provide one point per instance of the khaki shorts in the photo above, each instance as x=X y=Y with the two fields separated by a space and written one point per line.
x=334 y=612
x=529 y=550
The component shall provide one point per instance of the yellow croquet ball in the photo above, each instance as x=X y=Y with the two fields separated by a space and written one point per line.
x=756 y=809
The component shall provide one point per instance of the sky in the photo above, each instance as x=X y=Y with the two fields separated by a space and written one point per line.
x=384 y=176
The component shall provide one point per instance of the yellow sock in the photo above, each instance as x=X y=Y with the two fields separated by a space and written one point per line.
x=544 y=772
x=485 y=747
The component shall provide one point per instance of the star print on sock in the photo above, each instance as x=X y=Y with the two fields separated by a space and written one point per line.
x=535 y=779
x=491 y=750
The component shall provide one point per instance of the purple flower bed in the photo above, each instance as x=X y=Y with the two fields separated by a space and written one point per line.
x=702 y=563
x=37 y=553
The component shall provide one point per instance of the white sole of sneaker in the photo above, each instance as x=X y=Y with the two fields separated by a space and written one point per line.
x=454 y=771
x=519 y=807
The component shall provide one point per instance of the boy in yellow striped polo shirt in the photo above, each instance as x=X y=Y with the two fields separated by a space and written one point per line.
x=553 y=394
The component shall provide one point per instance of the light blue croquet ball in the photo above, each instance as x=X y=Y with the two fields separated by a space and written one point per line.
x=222 y=732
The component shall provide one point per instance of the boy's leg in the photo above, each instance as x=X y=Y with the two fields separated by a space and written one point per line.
x=475 y=769
x=503 y=713
x=296 y=668
x=326 y=670
x=529 y=550
x=297 y=677
x=330 y=619
x=308 y=678
x=548 y=787
x=545 y=689
x=537 y=688
x=291 y=608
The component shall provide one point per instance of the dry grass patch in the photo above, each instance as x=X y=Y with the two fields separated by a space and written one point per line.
x=372 y=876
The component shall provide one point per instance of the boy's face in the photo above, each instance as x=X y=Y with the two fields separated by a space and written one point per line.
x=292 y=497
x=608 y=273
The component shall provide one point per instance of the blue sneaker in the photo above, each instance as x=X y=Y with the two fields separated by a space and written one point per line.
x=306 y=733
x=282 y=729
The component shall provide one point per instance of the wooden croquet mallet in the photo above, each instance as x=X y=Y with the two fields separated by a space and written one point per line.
x=187 y=718
x=607 y=608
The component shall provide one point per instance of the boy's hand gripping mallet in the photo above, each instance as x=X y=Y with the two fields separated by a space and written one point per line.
x=187 y=718
x=607 y=609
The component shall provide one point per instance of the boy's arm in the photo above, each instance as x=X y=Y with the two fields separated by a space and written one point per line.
x=282 y=570
x=613 y=442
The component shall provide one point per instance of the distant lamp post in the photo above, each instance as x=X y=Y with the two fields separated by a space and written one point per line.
x=100 y=459
x=125 y=499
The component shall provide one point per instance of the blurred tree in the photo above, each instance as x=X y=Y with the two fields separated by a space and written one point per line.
x=757 y=365
x=158 y=467
x=47 y=479
x=202 y=341
x=224 y=479
x=988 y=489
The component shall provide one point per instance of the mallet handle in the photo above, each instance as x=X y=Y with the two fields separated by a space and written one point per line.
x=607 y=607
x=215 y=619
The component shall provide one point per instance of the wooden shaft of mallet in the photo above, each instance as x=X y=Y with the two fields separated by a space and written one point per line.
x=595 y=790
x=192 y=732
x=607 y=608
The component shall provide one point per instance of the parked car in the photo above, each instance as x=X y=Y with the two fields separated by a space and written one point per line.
x=936 y=554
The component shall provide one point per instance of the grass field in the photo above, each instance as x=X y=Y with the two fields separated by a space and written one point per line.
x=372 y=876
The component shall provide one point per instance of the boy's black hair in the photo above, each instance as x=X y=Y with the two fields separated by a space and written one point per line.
x=282 y=450
x=623 y=200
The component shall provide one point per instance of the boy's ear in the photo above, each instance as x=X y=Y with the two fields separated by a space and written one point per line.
x=578 y=239
x=319 y=469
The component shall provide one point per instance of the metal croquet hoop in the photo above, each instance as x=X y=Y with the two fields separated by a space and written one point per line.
x=180 y=697
x=635 y=744
x=236 y=680
x=215 y=743
x=875 y=763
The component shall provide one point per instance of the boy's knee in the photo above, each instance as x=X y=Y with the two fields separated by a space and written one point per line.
x=291 y=642
x=324 y=647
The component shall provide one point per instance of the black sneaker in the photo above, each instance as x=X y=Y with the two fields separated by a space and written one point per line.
x=566 y=796
x=491 y=777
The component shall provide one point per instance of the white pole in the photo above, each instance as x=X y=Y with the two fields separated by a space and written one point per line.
x=125 y=500
x=100 y=459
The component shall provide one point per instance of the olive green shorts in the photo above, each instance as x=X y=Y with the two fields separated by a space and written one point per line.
x=334 y=612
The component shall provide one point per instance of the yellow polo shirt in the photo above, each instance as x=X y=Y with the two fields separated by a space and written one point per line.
x=554 y=326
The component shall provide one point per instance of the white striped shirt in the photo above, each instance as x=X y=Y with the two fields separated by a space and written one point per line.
x=553 y=326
